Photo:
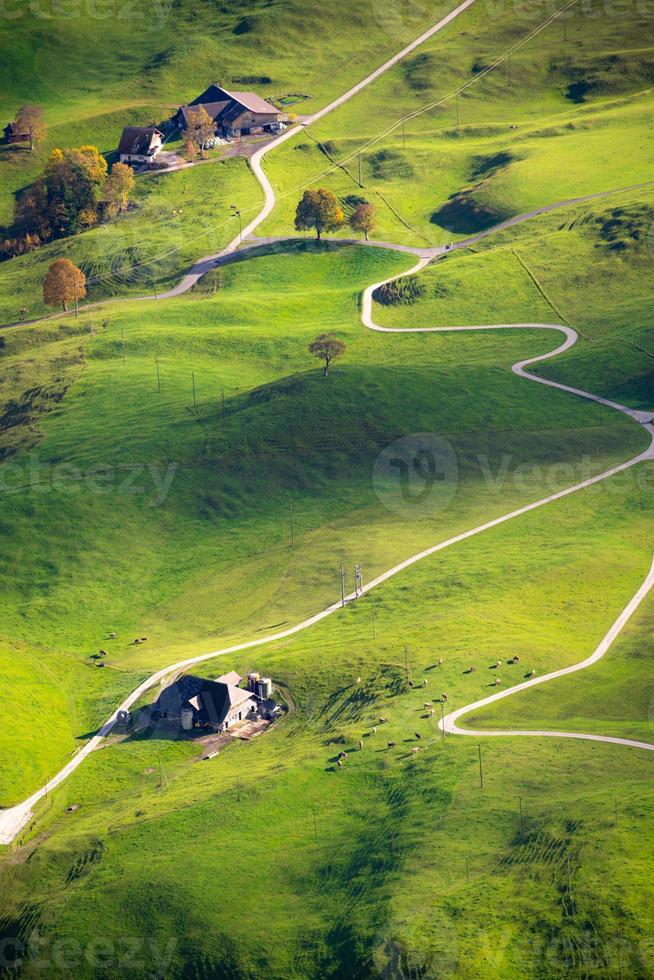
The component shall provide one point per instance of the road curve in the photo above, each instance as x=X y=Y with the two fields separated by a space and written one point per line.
x=449 y=723
x=12 y=820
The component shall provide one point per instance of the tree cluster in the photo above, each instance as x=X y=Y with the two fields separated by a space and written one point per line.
x=320 y=210
x=71 y=196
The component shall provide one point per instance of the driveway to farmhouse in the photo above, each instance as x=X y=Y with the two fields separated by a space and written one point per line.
x=15 y=818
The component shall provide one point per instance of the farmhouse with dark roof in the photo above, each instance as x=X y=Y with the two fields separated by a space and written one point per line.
x=234 y=113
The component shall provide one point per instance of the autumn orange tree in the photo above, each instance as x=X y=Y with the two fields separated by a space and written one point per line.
x=364 y=219
x=64 y=283
x=319 y=209
x=200 y=129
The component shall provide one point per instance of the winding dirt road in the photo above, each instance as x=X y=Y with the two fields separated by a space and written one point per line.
x=14 y=819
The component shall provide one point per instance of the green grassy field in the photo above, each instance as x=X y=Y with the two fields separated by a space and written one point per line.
x=150 y=453
x=435 y=180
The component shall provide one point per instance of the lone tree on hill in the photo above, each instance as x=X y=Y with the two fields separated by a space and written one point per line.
x=64 y=283
x=326 y=347
x=320 y=210
x=364 y=219
x=118 y=186
x=30 y=122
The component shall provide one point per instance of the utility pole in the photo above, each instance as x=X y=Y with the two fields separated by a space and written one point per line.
x=372 y=611
x=290 y=515
x=193 y=379
x=158 y=375
x=481 y=769
x=358 y=580
x=342 y=584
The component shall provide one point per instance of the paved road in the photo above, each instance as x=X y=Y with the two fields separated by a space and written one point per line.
x=14 y=819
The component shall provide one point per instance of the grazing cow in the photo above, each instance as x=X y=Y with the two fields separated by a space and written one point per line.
x=340 y=763
x=144 y=639
x=417 y=734
x=374 y=729
x=112 y=635
x=382 y=721
x=360 y=744
x=136 y=642
x=103 y=653
x=497 y=681
x=443 y=697
x=424 y=683
x=358 y=680
x=532 y=673
x=428 y=704
x=440 y=661
x=432 y=712
x=342 y=755
x=415 y=749
x=390 y=745
x=473 y=670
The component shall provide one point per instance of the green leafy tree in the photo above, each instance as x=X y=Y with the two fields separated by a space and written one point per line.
x=319 y=209
x=326 y=347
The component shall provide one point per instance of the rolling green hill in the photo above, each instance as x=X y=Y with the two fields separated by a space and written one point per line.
x=150 y=456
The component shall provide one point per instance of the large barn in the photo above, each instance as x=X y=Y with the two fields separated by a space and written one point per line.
x=199 y=702
x=233 y=113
